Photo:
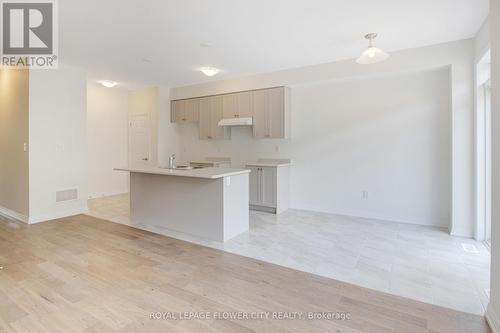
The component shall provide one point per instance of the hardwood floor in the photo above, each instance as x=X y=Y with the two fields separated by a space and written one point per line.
x=82 y=274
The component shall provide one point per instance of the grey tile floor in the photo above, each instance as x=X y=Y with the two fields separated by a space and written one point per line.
x=417 y=262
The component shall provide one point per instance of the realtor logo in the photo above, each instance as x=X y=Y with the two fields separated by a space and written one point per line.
x=29 y=33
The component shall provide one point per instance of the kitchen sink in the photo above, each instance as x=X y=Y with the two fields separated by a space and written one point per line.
x=179 y=167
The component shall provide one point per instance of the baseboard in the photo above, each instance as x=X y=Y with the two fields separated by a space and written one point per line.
x=372 y=216
x=10 y=214
x=492 y=319
x=263 y=209
x=58 y=215
x=107 y=194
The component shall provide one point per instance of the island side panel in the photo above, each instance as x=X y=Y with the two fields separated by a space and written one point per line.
x=190 y=205
x=236 y=208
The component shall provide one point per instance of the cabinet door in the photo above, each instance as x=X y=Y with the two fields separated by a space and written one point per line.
x=216 y=131
x=255 y=188
x=268 y=186
x=276 y=113
x=205 y=119
x=191 y=110
x=260 y=106
x=244 y=100
x=230 y=106
x=176 y=111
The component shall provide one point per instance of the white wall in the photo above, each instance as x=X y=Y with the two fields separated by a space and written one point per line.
x=389 y=136
x=482 y=75
x=493 y=313
x=57 y=133
x=457 y=56
x=107 y=139
x=482 y=40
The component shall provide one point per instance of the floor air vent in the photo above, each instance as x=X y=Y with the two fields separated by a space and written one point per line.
x=66 y=195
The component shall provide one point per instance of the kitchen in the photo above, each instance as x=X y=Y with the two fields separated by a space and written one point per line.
x=158 y=193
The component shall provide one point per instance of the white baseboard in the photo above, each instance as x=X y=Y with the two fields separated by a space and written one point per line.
x=107 y=194
x=492 y=319
x=381 y=217
x=10 y=214
x=58 y=215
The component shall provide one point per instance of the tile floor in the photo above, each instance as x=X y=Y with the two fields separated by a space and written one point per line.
x=418 y=262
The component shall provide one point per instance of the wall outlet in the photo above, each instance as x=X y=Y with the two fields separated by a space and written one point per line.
x=365 y=195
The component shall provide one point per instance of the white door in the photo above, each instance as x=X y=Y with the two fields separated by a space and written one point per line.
x=139 y=141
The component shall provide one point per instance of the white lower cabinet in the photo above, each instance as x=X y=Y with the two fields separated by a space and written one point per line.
x=269 y=188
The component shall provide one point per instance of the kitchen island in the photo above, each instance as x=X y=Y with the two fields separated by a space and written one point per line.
x=210 y=203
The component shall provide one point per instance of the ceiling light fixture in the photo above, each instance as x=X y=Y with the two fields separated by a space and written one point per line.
x=209 y=71
x=108 y=84
x=372 y=54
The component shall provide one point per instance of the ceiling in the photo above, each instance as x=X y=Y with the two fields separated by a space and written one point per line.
x=138 y=42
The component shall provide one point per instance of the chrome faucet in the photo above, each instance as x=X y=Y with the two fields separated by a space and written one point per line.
x=171 y=159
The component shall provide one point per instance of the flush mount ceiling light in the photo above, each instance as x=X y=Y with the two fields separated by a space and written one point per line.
x=372 y=54
x=209 y=71
x=108 y=84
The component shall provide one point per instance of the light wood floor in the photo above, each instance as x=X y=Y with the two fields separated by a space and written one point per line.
x=82 y=274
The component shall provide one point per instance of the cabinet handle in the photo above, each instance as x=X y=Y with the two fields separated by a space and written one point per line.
x=236 y=116
x=209 y=137
x=268 y=135
x=183 y=119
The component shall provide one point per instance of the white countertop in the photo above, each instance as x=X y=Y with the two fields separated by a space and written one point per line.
x=206 y=173
x=267 y=162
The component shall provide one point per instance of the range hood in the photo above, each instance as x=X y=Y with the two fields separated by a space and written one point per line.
x=246 y=121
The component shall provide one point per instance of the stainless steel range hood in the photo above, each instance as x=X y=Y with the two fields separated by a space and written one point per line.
x=244 y=121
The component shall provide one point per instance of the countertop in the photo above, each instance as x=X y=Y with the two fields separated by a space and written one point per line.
x=206 y=173
x=210 y=162
x=267 y=162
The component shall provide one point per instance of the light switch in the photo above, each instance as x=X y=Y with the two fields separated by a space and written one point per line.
x=228 y=181
x=25 y=147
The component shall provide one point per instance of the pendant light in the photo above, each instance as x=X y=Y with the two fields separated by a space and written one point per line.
x=372 y=54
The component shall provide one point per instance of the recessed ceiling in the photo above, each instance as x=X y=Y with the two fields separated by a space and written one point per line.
x=112 y=39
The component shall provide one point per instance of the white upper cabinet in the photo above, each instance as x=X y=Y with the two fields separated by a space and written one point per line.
x=185 y=111
x=270 y=109
x=237 y=105
x=271 y=112
x=210 y=112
